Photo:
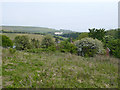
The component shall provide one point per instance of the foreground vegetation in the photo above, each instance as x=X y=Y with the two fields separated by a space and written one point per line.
x=58 y=70
x=82 y=61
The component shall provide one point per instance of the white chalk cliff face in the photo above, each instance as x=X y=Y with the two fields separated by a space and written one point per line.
x=119 y=14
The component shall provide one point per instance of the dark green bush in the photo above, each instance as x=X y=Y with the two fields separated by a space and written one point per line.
x=47 y=42
x=107 y=39
x=88 y=51
x=22 y=43
x=118 y=33
x=5 y=41
x=35 y=43
x=97 y=33
x=66 y=46
x=82 y=35
x=114 y=46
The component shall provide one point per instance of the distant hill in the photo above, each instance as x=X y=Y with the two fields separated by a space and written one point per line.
x=31 y=29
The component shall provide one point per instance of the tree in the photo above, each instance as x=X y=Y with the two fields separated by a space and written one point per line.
x=5 y=41
x=47 y=41
x=22 y=42
x=113 y=33
x=82 y=35
x=118 y=33
x=97 y=33
x=35 y=43
x=66 y=46
x=89 y=47
x=107 y=39
x=114 y=46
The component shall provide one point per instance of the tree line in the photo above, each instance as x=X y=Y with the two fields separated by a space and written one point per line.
x=84 y=44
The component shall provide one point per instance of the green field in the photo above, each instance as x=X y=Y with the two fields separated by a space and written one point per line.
x=58 y=70
x=13 y=35
x=31 y=29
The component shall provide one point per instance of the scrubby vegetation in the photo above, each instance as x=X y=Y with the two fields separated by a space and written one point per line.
x=58 y=70
x=114 y=46
x=83 y=35
x=5 y=41
x=47 y=42
x=22 y=42
x=55 y=61
x=66 y=46
x=89 y=47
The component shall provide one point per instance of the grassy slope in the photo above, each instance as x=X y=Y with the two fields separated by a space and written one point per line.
x=58 y=70
x=13 y=35
x=31 y=29
x=28 y=29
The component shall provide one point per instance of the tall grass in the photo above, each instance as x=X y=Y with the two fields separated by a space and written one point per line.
x=58 y=70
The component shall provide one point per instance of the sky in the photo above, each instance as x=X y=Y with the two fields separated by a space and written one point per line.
x=70 y=15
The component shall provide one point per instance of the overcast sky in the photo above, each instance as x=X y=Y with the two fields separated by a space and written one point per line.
x=76 y=16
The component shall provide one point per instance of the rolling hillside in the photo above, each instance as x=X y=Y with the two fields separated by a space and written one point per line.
x=31 y=29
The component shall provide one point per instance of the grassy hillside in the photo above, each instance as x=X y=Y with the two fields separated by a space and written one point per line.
x=31 y=29
x=13 y=35
x=58 y=70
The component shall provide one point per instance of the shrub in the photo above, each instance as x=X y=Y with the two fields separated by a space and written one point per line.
x=35 y=43
x=107 y=39
x=5 y=41
x=118 y=33
x=114 y=46
x=66 y=46
x=89 y=47
x=22 y=42
x=47 y=42
x=82 y=35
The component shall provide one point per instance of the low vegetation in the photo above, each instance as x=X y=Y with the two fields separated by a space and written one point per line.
x=31 y=60
x=58 y=70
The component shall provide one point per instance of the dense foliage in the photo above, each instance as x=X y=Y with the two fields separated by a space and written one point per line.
x=89 y=47
x=71 y=35
x=119 y=33
x=66 y=46
x=114 y=46
x=113 y=33
x=107 y=39
x=5 y=41
x=83 y=35
x=47 y=42
x=22 y=42
x=97 y=33
x=35 y=43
